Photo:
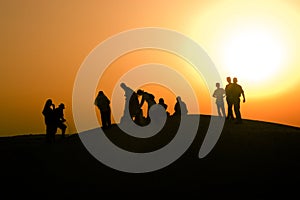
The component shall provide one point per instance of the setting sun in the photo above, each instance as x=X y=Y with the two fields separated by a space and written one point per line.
x=255 y=41
x=253 y=55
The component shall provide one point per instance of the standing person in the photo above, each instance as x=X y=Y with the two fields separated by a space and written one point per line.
x=180 y=107
x=161 y=102
x=229 y=100
x=59 y=114
x=237 y=91
x=132 y=108
x=50 y=121
x=103 y=103
x=219 y=94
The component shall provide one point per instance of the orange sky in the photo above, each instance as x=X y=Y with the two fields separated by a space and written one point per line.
x=43 y=44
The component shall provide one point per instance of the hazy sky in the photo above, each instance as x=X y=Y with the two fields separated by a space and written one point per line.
x=44 y=43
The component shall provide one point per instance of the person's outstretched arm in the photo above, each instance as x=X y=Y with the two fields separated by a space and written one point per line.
x=243 y=94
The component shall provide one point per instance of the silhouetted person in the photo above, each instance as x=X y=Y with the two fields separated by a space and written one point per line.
x=161 y=102
x=59 y=115
x=229 y=98
x=50 y=120
x=132 y=108
x=219 y=94
x=149 y=98
x=103 y=103
x=237 y=91
x=180 y=107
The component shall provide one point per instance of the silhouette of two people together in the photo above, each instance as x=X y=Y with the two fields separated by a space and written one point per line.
x=54 y=119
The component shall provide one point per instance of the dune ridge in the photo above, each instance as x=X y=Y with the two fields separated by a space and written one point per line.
x=262 y=154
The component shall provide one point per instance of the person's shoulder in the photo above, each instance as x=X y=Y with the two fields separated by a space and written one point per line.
x=228 y=85
x=238 y=87
x=241 y=88
x=219 y=90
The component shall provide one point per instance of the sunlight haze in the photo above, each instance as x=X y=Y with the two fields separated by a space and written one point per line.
x=44 y=43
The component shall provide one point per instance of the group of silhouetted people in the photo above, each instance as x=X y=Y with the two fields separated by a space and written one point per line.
x=54 y=119
x=133 y=107
x=232 y=92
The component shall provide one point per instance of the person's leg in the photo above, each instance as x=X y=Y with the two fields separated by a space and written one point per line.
x=148 y=109
x=229 y=109
x=223 y=109
x=53 y=130
x=106 y=117
x=109 y=118
x=237 y=110
x=63 y=130
x=103 y=119
x=138 y=117
x=219 y=109
x=48 y=133
x=62 y=127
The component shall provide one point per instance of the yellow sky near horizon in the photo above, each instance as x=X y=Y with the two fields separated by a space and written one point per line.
x=43 y=44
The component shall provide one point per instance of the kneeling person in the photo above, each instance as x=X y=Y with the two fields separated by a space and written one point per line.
x=59 y=114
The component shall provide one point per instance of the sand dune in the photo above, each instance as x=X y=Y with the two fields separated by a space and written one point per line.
x=250 y=158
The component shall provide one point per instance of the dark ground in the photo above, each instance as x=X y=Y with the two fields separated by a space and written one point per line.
x=254 y=160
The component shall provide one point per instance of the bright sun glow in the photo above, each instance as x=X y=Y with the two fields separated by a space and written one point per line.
x=253 y=55
x=251 y=40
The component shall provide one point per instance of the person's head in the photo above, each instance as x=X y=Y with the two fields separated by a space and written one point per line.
x=161 y=100
x=235 y=80
x=228 y=79
x=123 y=85
x=101 y=93
x=62 y=106
x=140 y=92
x=218 y=85
x=49 y=102
x=178 y=98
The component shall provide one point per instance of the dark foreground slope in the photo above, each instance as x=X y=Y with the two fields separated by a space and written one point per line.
x=249 y=159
